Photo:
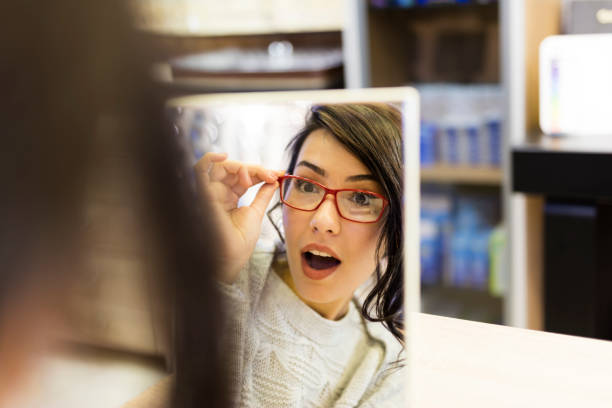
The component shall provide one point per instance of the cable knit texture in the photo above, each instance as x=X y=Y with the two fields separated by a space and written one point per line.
x=284 y=354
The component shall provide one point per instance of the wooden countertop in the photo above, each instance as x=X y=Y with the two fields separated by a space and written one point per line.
x=460 y=363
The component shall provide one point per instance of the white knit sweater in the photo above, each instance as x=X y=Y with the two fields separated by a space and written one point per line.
x=284 y=354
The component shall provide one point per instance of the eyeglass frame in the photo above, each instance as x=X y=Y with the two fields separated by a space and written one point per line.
x=333 y=192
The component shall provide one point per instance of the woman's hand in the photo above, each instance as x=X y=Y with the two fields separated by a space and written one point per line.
x=222 y=182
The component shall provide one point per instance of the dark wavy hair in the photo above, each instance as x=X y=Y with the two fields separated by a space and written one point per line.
x=372 y=132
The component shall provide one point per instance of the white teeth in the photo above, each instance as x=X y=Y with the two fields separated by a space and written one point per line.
x=319 y=253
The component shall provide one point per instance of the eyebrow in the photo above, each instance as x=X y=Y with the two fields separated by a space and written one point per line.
x=321 y=172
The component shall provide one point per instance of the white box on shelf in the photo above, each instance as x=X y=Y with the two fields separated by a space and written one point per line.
x=576 y=85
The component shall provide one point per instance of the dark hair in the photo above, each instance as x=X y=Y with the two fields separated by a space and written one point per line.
x=70 y=71
x=372 y=132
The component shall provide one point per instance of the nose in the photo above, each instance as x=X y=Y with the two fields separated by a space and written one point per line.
x=326 y=218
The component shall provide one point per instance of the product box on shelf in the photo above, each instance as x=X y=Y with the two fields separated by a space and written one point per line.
x=461 y=125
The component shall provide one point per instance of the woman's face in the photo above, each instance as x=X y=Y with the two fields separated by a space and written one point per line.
x=323 y=232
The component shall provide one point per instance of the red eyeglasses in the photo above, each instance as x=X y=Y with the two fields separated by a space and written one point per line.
x=352 y=204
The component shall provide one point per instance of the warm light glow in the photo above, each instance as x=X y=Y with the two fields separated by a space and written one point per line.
x=604 y=16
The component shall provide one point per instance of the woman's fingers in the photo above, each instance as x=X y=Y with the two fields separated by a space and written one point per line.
x=256 y=174
x=244 y=177
x=263 y=198
x=205 y=165
x=234 y=175
x=224 y=196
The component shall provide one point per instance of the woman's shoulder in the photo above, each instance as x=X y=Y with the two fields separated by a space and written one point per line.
x=260 y=262
x=376 y=380
x=392 y=348
x=387 y=388
x=254 y=274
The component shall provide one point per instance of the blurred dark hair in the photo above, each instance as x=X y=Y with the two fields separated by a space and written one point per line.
x=67 y=66
x=372 y=132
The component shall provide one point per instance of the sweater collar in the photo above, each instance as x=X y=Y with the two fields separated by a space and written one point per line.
x=307 y=321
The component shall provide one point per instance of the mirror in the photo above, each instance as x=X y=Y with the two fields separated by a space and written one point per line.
x=328 y=243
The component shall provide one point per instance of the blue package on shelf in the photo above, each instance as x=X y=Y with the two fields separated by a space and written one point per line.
x=479 y=262
x=469 y=121
x=494 y=133
x=438 y=209
x=455 y=250
x=429 y=261
x=403 y=3
x=467 y=250
x=474 y=147
x=436 y=219
x=460 y=258
x=451 y=141
x=428 y=143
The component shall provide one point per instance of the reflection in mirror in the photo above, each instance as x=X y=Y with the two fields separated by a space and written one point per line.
x=307 y=199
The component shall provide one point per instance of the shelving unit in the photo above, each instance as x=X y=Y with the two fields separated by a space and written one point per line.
x=477 y=176
x=465 y=303
x=442 y=43
x=522 y=25
x=577 y=230
x=413 y=46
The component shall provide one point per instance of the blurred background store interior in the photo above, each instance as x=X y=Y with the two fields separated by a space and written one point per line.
x=486 y=248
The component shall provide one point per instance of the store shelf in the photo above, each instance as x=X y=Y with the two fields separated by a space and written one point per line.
x=442 y=44
x=435 y=7
x=571 y=227
x=574 y=167
x=487 y=176
x=462 y=303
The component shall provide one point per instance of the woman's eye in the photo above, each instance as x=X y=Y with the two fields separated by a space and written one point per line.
x=361 y=199
x=306 y=187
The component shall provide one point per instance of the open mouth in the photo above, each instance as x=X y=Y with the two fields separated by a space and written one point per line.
x=319 y=260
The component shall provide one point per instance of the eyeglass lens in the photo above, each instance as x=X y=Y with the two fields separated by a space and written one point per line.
x=354 y=205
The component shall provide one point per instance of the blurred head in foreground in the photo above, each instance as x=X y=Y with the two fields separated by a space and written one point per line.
x=75 y=87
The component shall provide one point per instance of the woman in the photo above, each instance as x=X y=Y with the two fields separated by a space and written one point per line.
x=76 y=94
x=296 y=331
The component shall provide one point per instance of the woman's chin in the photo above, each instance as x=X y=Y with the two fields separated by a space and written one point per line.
x=311 y=291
